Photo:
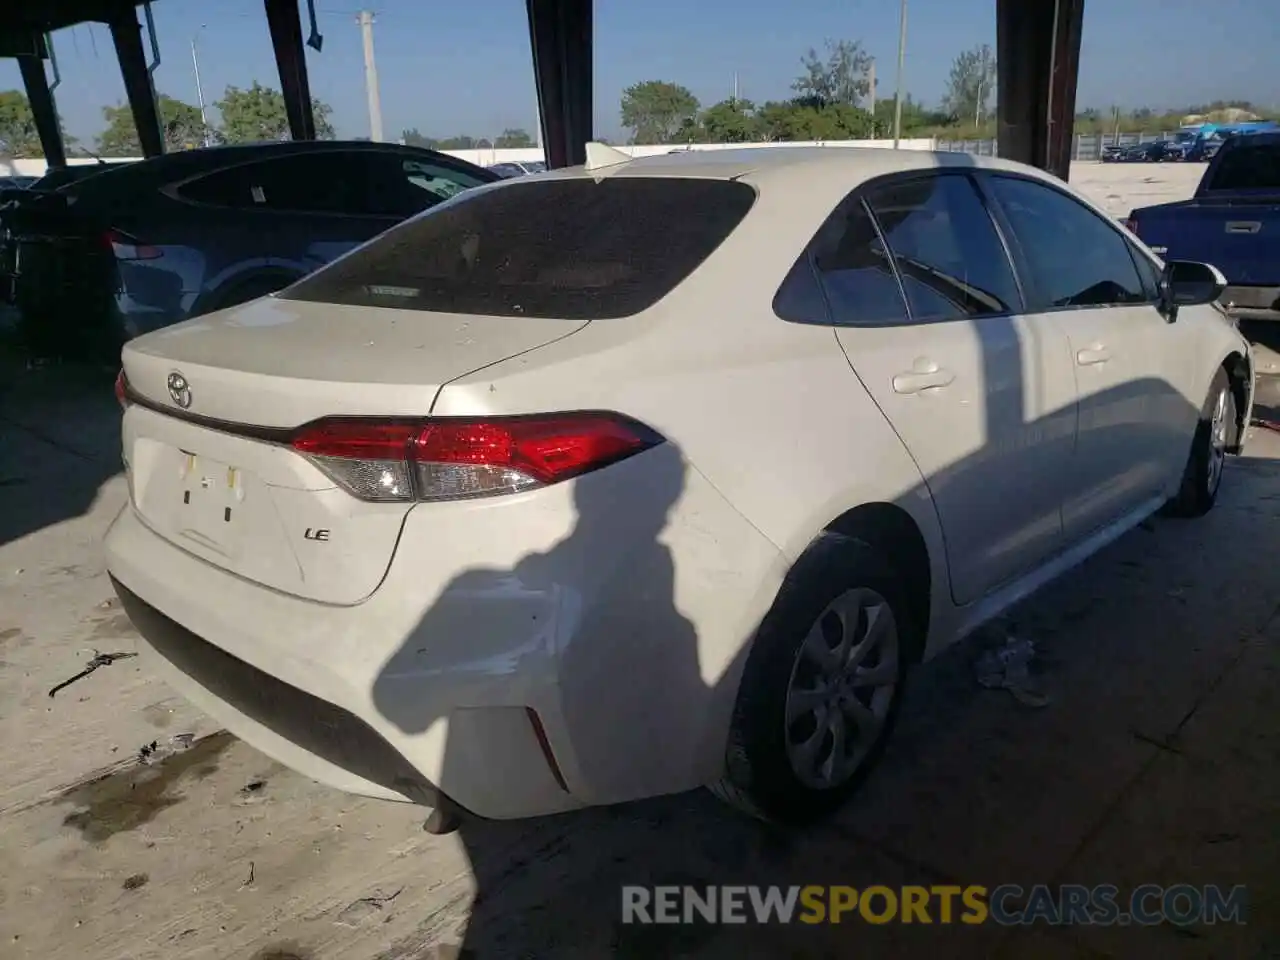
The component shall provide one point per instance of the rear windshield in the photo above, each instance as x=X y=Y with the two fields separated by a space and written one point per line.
x=1254 y=166
x=574 y=249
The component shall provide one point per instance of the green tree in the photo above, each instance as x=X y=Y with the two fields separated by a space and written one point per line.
x=808 y=119
x=18 y=134
x=657 y=111
x=843 y=77
x=463 y=142
x=181 y=123
x=514 y=138
x=413 y=138
x=731 y=121
x=916 y=118
x=259 y=113
x=971 y=86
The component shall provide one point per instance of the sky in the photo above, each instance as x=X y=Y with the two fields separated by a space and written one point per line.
x=450 y=68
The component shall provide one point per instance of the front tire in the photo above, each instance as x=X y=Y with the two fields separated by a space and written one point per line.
x=822 y=686
x=1202 y=478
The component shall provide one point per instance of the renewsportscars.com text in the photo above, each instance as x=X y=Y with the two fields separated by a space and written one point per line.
x=1007 y=905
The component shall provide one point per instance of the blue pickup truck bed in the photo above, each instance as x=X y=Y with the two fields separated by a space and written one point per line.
x=1233 y=222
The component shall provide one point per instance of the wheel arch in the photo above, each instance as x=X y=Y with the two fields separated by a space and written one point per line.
x=1240 y=375
x=894 y=533
x=225 y=293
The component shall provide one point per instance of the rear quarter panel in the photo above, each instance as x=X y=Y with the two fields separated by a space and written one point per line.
x=769 y=412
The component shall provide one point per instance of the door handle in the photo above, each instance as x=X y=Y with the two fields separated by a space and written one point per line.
x=924 y=375
x=1094 y=354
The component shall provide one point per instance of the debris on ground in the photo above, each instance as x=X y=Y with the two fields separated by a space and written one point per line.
x=155 y=751
x=99 y=660
x=1008 y=667
x=135 y=881
x=359 y=911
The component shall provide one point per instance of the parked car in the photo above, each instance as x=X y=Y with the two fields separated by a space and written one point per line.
x=123 y=250
x=513 y=168
x=672 y=490
x=1200 y=145
x=56 y=178
x=1157 y=151
x=1113 y=153
x=1233 y=219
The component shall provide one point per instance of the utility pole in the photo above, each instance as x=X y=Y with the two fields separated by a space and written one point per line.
x=735 y=87
x=982 y=82
x=537 y=122
x=871 y=87
x=902 y=56
x=371 y=77
x=195 y=65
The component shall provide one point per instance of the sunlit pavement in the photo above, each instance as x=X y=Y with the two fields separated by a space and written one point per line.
x=1154 y=762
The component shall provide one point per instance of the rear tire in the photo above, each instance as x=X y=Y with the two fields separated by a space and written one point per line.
x=822 y=686
x=1202 y=477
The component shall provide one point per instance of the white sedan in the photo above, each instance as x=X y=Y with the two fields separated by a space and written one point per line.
x=616 y=481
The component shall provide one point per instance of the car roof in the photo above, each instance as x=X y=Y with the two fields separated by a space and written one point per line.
x=180 y=164
x=797 y=166
x=1264 y=139
x=228 y=154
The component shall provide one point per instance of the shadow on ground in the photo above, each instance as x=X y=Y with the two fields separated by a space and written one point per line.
x=59 y=442
x=976 y=788
x=1121 y=779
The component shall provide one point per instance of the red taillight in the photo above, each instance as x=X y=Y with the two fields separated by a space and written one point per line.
x=125 y=247
x=1130 y=224
x=122 y=390
x=453 y=459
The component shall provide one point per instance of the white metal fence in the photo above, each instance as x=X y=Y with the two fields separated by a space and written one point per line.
x=1086 y=146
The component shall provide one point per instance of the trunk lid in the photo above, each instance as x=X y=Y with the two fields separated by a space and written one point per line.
x=217 y=478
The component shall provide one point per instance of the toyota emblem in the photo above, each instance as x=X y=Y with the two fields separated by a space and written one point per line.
x=179 y=390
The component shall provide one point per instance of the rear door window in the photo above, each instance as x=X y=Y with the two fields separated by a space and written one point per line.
x=946 y=248
x=331 y=183
x=1255 y=166
x=400 y=186
x=571 y=248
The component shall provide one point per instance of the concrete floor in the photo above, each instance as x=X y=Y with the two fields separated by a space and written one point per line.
x=1155 y=762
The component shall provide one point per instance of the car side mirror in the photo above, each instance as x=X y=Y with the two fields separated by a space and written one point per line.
x=1186 y=283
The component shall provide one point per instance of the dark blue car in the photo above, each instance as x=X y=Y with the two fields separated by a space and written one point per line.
x=132 y=248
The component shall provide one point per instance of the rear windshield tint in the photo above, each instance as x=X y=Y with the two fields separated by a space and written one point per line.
x=574 y=249
x=1255 y=166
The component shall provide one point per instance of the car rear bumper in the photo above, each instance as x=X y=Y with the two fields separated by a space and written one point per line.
x=525 y=655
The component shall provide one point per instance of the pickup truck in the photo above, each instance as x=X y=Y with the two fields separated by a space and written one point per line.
x=1232 y=221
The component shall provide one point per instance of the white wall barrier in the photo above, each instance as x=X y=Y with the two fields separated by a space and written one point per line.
x=488 y=157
